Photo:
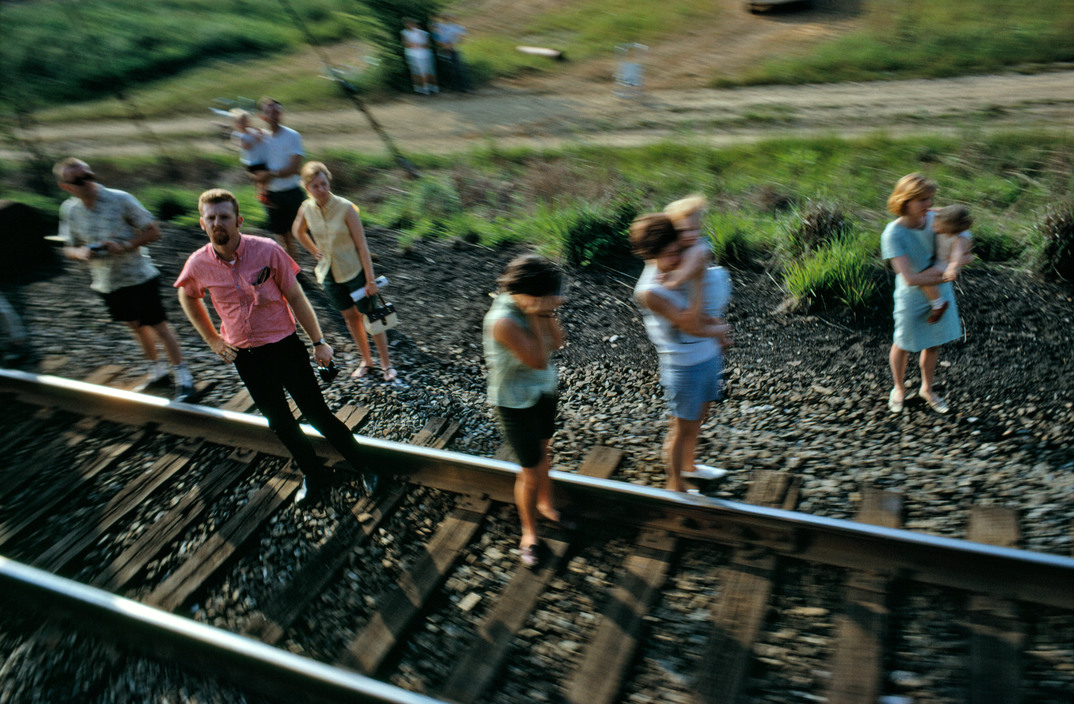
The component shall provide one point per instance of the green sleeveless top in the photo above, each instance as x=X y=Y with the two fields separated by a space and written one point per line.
x=512 y=384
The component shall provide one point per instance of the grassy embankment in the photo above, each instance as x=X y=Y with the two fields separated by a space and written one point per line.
x=179 y=55
x=575 y=204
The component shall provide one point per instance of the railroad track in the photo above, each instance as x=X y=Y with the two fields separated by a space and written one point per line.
x=126 y=515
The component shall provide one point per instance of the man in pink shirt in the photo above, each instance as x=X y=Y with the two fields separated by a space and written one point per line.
x=252 y=284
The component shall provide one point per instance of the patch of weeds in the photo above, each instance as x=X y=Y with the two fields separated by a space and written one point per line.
x=844 y=274
x=814 y=226
x=1056 y=230
x=599 y=235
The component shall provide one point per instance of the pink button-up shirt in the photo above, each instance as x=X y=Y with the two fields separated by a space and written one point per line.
x=247 y=292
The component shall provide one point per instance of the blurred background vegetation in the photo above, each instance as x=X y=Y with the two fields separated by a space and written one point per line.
x=808 y=210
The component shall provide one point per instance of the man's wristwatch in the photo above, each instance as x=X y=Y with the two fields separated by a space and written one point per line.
x=320 y=342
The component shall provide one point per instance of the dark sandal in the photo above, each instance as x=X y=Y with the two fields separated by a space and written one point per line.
x=362 y=370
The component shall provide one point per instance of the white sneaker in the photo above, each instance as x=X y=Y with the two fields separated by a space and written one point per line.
x=705 y=473
x=300 y=495
x=157 y=371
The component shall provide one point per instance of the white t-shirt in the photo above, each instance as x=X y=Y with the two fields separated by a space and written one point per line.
x=277 y=150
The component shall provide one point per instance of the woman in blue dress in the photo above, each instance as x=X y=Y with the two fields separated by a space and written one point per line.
x=909 y=244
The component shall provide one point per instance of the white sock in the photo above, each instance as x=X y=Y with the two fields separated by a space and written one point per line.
x=182 y=375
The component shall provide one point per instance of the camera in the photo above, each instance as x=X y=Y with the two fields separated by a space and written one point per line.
x=328 y=373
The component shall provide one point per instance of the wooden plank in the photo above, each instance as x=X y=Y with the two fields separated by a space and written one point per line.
x=997 y=636
x=740 y=610
x=601 y=461
x=104 y=374
x=127 y=500
x=357 y=527
x=120 y=571
x=16 y=437
x=240 y=402
x=857 y=663
x=607 y=656
x=401 y=606
x=360 y=524
x=224 y=544
x=482 y=662
x=51 y=496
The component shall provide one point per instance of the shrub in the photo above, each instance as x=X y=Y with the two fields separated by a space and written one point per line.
x=995 y=246
x=814 y=226
x=1056 y=230
x=600 y=236
x=737 y=239
x=843 y=274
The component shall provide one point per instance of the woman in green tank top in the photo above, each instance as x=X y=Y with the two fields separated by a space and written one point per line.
x=520 y=333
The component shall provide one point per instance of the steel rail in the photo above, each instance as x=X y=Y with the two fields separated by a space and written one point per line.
x=249 y=664
x=976 y=567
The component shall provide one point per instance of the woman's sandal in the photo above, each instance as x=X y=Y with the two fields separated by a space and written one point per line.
x=935 y=402
x=390 y=374
x=895 y=405
x=529 y=555
x=361 y=371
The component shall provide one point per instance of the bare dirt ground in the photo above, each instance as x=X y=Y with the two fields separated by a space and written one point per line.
x=576 y=102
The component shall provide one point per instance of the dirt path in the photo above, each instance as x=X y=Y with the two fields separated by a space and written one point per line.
x=457 y=123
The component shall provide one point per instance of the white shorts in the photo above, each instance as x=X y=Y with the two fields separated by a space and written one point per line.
x=420 y=61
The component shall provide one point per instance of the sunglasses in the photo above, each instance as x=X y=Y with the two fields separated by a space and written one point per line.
x=81 y=180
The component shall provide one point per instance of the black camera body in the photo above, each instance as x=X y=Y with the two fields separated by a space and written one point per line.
x=328 y=373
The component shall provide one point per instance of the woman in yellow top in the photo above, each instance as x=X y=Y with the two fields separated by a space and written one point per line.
x=331 y=230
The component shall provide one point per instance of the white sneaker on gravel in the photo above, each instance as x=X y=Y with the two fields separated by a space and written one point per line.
x=157 y=371
x=705 y=473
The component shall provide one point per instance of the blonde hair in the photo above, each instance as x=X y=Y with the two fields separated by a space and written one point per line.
x=952 y=218
x=310 y=170
x=910 y=187
x=679 y=210
x=61 y=166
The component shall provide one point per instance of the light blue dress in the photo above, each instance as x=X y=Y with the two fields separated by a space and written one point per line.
x=912 y=330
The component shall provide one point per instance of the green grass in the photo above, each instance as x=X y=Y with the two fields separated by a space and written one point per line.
x=73 y=50
x=570 y=203
x=928 y=39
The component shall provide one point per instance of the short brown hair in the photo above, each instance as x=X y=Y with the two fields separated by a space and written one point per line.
x=952 y=218
x=650 y=234
x=310 y=170
x=61 y=166
x=910 y=187
x=264 y=102
x=218 y=195
x=530 y=274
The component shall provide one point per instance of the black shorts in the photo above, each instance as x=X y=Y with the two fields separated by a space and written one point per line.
x=524 y=428
x=340 y=294
x=282 y=209
x=138 y=304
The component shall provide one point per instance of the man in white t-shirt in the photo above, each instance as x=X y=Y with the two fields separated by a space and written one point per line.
x=419 y=57
x=107 y=229
x=281 y=149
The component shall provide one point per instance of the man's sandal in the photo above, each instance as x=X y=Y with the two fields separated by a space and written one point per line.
x=361 y=371
x=390 y=374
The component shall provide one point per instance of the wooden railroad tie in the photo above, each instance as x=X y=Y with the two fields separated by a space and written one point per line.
x=224 y=545
x=861 y=630
x=747 y=587
x=481 y=663
x=357 y=527
x=996 y=634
